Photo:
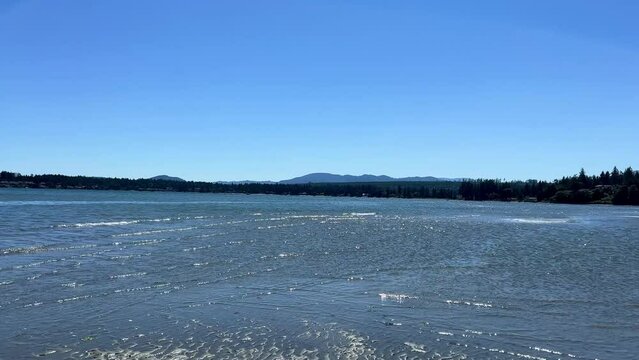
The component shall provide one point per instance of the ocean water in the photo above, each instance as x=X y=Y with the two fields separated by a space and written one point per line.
x=140 y=275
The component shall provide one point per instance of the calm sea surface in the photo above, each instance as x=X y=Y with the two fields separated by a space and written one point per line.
x=139 y=275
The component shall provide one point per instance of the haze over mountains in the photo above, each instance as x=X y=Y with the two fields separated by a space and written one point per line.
x=326 y=178
x=334 y=178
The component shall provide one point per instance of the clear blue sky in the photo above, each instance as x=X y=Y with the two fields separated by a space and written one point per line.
x=229 y=90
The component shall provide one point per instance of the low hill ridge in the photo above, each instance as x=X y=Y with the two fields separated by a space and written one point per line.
x=335 y=178
x=166 y=178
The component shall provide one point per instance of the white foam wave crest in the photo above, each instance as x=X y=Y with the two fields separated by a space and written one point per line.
x=283 y=255
x=476 y=332
x=75 y=298
x=419 y=348
x=400 y=298
x=22 y=250
x=305 y=216
x=538 y=221
x=521 y=355
x=150 y=232
x=469 y=303
x=278 y=226
x=122 y=276
x=550 y=351
x=112 y=223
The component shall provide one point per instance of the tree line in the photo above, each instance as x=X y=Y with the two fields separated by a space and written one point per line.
x=441 y=190
x=610 y=187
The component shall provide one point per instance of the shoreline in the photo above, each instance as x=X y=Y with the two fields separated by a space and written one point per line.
x=30 y=186
x=616 y=187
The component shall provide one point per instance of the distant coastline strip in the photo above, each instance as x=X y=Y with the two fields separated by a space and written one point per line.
x=610 y=187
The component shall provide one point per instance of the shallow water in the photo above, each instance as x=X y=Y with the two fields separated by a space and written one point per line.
x=120 y=275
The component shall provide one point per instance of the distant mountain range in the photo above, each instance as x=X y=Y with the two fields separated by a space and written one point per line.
x=167 y=178
x=325 y=178
x=334 y=178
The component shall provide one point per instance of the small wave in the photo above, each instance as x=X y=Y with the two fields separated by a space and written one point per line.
x=416 y=347
x=104 y=223
x=72 y=285
x=305 y=216
x=361 y=214
x=22 y=250
x=150 y=232
x=284 y=255
x=75 y=298
x=37 y=303
x=24 y=266
x=554 y=352
x=469 y=303
x=111 y=223
x=400 y=298
x=122 y=276
x=277 y=226
x=146 y=242
x=474 y=332
x=36 y=249
x=141 y=288
x=511 y=353
x=539 y=221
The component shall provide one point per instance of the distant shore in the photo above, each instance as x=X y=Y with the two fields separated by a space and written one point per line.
x=608 y=188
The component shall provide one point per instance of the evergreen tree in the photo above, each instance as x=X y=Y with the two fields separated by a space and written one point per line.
x=583 y=179
x=628 y=176
x=615 y=177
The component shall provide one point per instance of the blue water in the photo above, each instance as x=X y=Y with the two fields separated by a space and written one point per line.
x=141 y=275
